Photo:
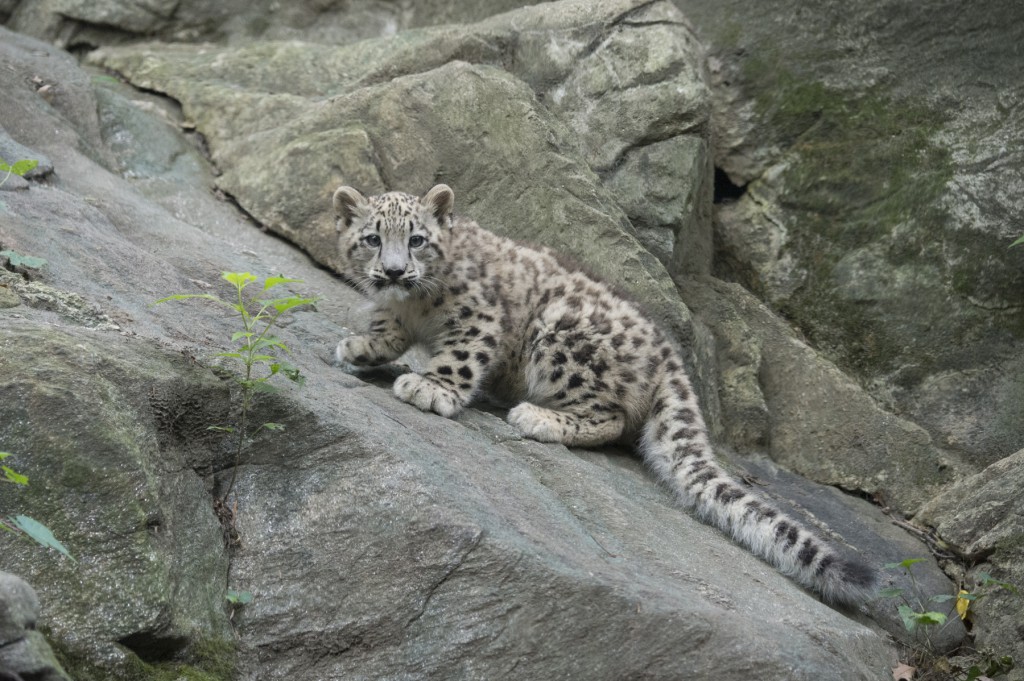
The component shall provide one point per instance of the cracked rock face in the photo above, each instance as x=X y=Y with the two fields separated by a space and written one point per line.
x=879 y=145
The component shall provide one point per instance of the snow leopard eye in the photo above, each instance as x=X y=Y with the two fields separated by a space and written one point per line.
x=416 y=240
x=372 y=240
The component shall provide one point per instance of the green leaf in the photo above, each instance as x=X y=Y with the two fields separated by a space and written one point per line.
x=23 y=166
x=13 y=476
x=293 y=375
x=240 y=334
x=271 y=282
x=230 y=355
x=40 y=533
x=273 y=426
x=285 y=304
x=1020 y=240
x=265 y=388
x=996 y=667
x=222 y=429
x=942 y=598
x=268 y=342
x=19 y=260
x=238 y=597
x=912 y=619
x=256 y=359
x=290 y=372
x=4 y=455
x=985 y=579
x=239 y=279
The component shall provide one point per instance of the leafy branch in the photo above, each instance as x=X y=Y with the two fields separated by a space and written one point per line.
x=916 y=616
x=256 y=353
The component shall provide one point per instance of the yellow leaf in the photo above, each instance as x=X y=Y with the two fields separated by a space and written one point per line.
x=962 y=604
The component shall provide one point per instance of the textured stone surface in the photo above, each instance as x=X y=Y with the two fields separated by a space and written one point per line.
x=881 y=153
x=23 y=650
x=881 y=179
x=83 y=411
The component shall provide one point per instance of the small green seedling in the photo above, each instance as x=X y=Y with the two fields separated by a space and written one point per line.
x=917 y=617
x=24 y=525
x=255 y=349
x=914 y=615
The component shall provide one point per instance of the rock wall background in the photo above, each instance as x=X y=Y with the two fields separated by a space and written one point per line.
x=815 y=200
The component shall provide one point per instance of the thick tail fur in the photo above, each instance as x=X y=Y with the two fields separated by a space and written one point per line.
x=675 y=445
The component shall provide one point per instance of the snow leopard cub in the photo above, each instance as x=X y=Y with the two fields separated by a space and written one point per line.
x=582 y=365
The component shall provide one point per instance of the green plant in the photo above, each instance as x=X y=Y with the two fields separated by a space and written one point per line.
x=1020 y=240
x=917 y=617
x=22 y=524
x=914 y=614
x=256 y=353
x=19 y=168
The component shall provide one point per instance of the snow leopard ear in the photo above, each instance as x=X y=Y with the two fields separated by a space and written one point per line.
x=440 y=200
x=348 y=204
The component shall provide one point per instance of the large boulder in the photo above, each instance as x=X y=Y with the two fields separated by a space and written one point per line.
x=23 y=649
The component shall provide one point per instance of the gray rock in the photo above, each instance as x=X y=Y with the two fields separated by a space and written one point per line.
x=116 y=488
x=23 y=650
x=76 y=23
x=780 y=395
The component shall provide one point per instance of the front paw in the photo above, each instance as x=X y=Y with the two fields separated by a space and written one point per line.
x=427 y=395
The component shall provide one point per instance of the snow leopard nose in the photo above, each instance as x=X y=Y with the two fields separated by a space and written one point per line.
x=394 y=274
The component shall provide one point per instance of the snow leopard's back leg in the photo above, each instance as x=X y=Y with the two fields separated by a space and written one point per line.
x=569 y=397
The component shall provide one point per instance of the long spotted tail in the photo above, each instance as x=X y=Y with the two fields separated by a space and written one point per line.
x=675 y=445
